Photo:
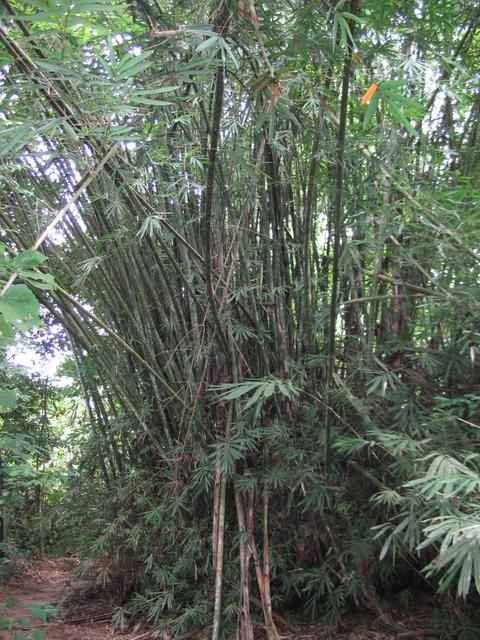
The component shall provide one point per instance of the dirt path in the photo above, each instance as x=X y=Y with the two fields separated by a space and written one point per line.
x=47 y=583
x=51 y=582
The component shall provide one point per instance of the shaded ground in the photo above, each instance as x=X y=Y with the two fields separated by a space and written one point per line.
x=83 y=614
x=402 y=625
x=51 y=583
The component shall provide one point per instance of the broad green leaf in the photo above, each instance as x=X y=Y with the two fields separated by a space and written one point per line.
x=371 y=110
x=43 y=281
x=385 y=547
x=400 y=117
x=334 y=32
x=6 y=331
x=345 y=31
x=257 y=397
x=135 y=70
x=200 y=29
x=20 y=307
x=5 y=623
x=80 y=21
x=352 y=16
x=39 y=611
x=21 y=137
x=269 y=389
x=391 y=84
x=28 y=260
x=55 y=67
x=131 y=65
x=208 y=44
x=226 y=48
x=234 y=391
x=398 y=98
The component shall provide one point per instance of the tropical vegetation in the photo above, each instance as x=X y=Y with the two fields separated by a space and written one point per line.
x=252 y=229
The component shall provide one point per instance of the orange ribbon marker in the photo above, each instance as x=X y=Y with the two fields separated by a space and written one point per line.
x=370 y=92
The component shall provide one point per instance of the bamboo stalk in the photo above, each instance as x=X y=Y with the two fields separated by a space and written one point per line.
x=337 y=231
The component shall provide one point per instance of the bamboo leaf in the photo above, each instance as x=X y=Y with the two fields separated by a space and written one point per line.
x=370 y=111
x=399 y=116
x=211 y=43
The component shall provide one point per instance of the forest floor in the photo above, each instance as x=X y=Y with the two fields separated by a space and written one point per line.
x=83 y=614
x=53 y=584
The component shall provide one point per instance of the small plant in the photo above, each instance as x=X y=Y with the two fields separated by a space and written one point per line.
x=8 y=621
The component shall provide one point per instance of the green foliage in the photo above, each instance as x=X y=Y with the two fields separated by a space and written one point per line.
x=270 y=295
x=263 y=390
x=8 y=621
x=19 y=308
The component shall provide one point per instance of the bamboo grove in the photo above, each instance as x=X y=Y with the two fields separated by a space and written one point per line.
x=270 y=291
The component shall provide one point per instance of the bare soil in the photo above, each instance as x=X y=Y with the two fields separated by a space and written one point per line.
x=53 y=582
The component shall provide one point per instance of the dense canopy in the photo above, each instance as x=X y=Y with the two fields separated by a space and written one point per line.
x=253 y=229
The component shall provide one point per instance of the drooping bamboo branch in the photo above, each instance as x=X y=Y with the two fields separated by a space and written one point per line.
x=80 y=187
